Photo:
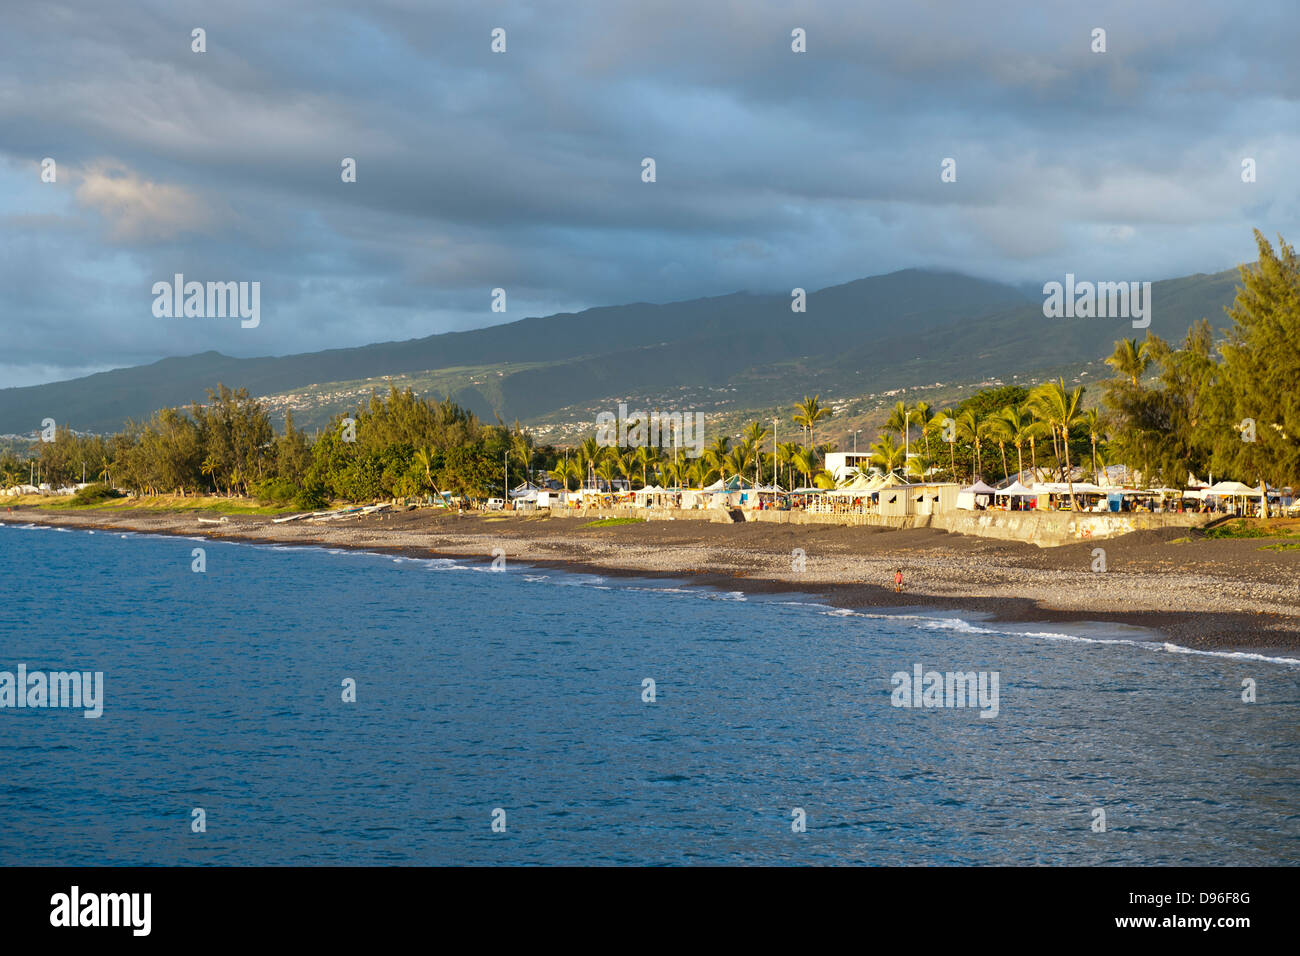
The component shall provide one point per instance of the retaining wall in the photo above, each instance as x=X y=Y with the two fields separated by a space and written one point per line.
x=1046 y=529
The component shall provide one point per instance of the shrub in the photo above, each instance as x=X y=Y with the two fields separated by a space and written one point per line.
x=95 y=494
x=276 y=491
x=310 y=498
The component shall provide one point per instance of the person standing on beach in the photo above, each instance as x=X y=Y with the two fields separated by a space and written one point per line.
x=898 y=581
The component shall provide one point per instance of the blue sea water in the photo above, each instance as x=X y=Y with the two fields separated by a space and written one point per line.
x=523 y=690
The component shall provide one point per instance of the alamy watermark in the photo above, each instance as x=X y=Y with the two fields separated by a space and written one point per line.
x=69 y=689
x=923 y=688
x=1102 y=300
x=212 y=300
x=657 y=430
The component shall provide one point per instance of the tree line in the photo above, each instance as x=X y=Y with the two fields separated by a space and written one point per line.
x=1231 y=409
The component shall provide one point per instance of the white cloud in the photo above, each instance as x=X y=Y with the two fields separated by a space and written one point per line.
x=138 y=210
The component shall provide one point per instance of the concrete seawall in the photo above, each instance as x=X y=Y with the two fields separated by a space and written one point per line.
x=1047 y=529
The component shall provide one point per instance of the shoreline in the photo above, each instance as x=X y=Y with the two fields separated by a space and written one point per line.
x=1245 y=601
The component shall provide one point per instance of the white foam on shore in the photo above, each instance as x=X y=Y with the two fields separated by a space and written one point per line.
x=966 y=627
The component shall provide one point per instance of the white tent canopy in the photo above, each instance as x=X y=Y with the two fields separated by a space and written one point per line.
x=1232 y=489
x=1017 y=490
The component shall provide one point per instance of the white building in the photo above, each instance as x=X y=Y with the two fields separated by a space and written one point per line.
x=844 y=464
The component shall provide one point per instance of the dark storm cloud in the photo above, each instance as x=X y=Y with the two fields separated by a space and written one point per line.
x=522 y=170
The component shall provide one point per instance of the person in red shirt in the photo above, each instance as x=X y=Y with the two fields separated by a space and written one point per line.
x=898 y=581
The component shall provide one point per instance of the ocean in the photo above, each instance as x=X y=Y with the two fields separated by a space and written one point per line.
x=506 y=717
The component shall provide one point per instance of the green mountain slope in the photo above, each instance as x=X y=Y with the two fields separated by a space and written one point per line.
x=880 y=332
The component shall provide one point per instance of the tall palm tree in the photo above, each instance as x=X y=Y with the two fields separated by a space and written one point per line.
x=209 y=467
x=1059 y=408
x=886 y=454
x=670 y=473
x=425 y=457
x=696 y=472
x=919 y=465
x=627 y=465
x=999 y=432
x=715 y=456
x=971 y=427
x=785 y=456
x=900 y=420
x=942 y=420
x=608 y=469
x=1017 y=425
x=753 y=436
x=521 y=448
x=1130 y=359
x=805 y=461
x=645 y=457
x=808 y=413
x=924 y=415
x=1092 y=421
x=590 y=454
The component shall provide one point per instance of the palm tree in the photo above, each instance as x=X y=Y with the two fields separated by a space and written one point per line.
x=942 y=420
x=805 y=460
x=971 y=427
x=426 y=457
x=886 y=454
x=785 y=456
x=924 y=415
x=608 y=469
x=919 y=465
x=900 y=420
x=696 y=472
x=1059 y=408
x=715 y=456
x=1036 y=429
x=563 y=469
x=209 y=468
x=590 y=453
x=999 y=431
x=645 y=457
x=1130 y=359
x=1092 y=421
x=521 y=447
x=808 y=413
x=1016 y=423
x=627 y=466
x=670 y=473
x=753 y=436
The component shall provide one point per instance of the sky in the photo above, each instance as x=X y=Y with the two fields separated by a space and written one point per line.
x=523 y=170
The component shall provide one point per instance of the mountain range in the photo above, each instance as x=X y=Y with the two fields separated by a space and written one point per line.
x=882 y=332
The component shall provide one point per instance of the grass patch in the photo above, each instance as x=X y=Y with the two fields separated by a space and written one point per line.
x=1282 y=546
x=169 y=503
x=1241 y=528
x=610 y=522
x=1181 y=541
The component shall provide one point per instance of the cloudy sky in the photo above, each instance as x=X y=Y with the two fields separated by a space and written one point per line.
x=522 y=169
